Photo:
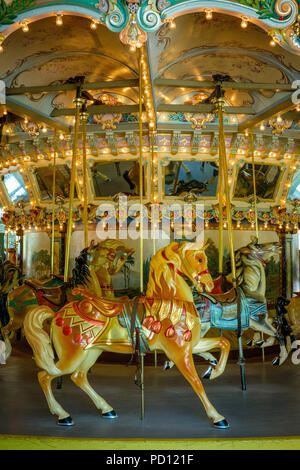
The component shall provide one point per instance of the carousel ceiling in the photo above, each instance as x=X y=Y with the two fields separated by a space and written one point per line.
x=258 y=52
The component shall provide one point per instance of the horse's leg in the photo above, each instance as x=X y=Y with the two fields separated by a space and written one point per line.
x=79 y=377
x=205 y=344
x=256 y=338
x=55 y=408
x=205 y=355
x=183 y=358
x=67 y=364
x=268 y=329
x=205 y=327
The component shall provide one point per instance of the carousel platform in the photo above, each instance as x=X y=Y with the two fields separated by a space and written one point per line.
x=269 y=408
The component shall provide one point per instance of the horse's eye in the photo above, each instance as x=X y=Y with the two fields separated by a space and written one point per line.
x=200 y=260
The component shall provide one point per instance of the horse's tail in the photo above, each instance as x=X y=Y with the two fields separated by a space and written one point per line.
x=39 y=340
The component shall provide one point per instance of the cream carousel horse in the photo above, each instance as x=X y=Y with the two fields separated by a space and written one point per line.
x=82 y=330
x=93 y=270
x=250 y=263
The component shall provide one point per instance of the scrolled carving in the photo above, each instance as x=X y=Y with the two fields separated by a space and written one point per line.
x=286 y=8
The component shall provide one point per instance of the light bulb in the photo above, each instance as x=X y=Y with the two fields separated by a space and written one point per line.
x=208 y=14
x=59 y=20
x=25 y=27
x=244 y=22
x=172 y=24
x=93 y=25
x=272 y=43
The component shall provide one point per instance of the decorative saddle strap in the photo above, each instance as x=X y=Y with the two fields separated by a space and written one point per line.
x=134 y=328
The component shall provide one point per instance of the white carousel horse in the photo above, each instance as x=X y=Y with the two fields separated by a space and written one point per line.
x=251 y=278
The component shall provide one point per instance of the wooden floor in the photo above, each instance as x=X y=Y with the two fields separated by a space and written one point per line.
x=269 y=407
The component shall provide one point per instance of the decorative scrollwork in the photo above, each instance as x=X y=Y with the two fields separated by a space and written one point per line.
x=286 y=8
x=148 y=20
x=117 y=19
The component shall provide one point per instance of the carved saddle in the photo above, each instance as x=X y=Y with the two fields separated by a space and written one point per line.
x=56 y=295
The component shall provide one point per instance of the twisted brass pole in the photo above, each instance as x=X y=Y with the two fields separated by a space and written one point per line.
x=141 y=188
x=223 y=162
x=53 y=203
x=83 y=116
x=254 y=185
x=78 y=102
x=221 y=240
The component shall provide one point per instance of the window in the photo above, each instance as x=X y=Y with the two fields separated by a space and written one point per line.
x=15 y=187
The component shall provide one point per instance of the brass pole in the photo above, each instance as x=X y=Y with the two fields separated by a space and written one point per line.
x=78 y=103
x=254 y=185
x=222 y=155
x=141 y=175
x=221 y=239
x=53 y=203
x=83 y=117
x=223 y=162
x=255 y=216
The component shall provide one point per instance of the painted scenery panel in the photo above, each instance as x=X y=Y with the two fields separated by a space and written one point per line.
x=200 y=178
x=44 y=177
x=266 y=178
x=110 y=178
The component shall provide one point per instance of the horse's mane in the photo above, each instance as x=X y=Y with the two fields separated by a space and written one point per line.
x=7 y=269
x=81 y=271
x=243 y=261
x=160 y=271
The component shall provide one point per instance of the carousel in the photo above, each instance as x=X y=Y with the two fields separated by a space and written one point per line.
x=150 y=193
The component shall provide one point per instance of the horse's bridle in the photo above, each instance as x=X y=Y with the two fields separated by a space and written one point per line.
x=180 y=273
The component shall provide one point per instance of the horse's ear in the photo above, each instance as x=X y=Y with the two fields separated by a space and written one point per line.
x=254 y=239
x=130 y=251
x=206 y=244
x=197 y=244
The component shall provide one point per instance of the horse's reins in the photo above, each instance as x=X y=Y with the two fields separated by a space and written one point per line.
x=180 y=273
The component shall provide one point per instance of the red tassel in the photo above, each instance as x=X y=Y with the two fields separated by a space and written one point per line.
x=67 y=330
x=187 y=335
x=148 y=322
x=59 y=321
x=170 y=332
x=156 y=327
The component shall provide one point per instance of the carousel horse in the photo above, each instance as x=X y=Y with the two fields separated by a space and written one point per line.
x=10 y=277
x=293 y=314
x=220 y=310
x=165 y=319
x=132 y=177
x=93 y=270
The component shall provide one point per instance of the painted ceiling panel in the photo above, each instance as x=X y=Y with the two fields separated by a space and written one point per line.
x=45 y=39
x=195 y=32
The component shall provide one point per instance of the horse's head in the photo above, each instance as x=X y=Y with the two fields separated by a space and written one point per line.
x=111 y=254
x=261 y=251
x=194 y=263
x=176 y=266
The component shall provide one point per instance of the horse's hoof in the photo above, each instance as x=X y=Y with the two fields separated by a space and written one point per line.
x=110 y=415
x=250 y=343
x=167 y=366
x=207 y=374
x=276 y=361
x=221 y=424
x=213 y=363
x=66 y=421
x=259 y=343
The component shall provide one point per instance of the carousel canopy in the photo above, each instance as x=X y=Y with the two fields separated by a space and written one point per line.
x=46 y=51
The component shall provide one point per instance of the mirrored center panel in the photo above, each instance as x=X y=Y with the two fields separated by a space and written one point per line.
x=111 y=178
x=44 y=178
x=199 y=178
